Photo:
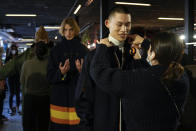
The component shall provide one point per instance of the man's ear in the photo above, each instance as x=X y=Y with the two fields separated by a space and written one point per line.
x=107 y=23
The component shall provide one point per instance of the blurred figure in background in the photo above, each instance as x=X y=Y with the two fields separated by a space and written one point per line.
x=36 y=90
x=13 y=82
x=41 y=36
x=2 y=96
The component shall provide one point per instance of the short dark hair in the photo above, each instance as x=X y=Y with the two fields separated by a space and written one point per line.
x=118 y=9
x=14 y=46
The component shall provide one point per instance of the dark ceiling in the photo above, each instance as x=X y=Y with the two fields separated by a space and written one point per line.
x=51 y=12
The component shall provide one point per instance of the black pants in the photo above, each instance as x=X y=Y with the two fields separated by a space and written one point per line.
x=1 y=105
x=2 y=97
x=36 y=113
x=14 y=89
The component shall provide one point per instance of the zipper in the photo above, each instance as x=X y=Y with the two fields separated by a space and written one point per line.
x=120 y=67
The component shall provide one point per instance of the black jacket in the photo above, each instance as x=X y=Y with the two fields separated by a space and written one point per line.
x=99 y=111
x=149 y=107
x=63 y=90
x=63 y=87
x=14 y=79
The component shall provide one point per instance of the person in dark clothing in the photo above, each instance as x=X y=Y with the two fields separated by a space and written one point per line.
x=98 y=110
x=64 y=66
x=2 y=94
x=13 y=82
x=156 y=95
x=36 y=112
x=2 y=97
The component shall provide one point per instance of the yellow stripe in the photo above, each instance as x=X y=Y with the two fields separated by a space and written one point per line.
x=66 y=122
x=64 y=115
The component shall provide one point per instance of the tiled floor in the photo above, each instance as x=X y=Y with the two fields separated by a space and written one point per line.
x=15 y=122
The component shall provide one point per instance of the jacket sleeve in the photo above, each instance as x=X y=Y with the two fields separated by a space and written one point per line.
x=13 y=66
x=6 y=70
x=54 y=75
x=84 y=95
x=111 y=80
x=22 y=75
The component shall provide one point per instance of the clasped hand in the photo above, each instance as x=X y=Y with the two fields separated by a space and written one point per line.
x=64 y=68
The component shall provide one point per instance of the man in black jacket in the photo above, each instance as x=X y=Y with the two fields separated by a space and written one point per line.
x=97 y=110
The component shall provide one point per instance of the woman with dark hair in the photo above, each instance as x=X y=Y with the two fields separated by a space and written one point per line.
x=36 y=90
x=13 y=81
x=156 y=95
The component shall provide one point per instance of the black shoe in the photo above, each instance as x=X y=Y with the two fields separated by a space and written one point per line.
x=20 y=113
x=14 y=110
x=11 y=112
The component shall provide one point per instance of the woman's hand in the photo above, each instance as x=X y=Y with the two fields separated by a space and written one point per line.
x=137 y=40
x=105 y=41
x=137 y=55
x=64 y=68
x=79 y=64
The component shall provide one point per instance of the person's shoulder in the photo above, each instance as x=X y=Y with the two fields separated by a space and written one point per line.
x=29 y=62
x=83 y=47
x=91 y=53
x=183 y=82
x=21 y=56
x=57 y=46
x=185 y=78
x=89 y=56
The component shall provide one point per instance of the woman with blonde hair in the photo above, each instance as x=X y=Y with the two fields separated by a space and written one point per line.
x=64 y=66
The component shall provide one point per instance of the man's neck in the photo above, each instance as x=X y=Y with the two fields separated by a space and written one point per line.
x=115 y=41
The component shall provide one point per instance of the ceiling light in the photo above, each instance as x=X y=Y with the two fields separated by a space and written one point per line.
x=192 y=43
x=165 y=18
x=194 y=36
x=128 y=3
x=25 y=40
x=182 y=37
x=195 y=24
x=51 y=27
x=22 y=15
x=55 y=37
x=77 y=9
x=29 y=44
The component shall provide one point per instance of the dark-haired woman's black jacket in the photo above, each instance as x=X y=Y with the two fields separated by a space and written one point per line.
x=149 y=107
x=63 y=113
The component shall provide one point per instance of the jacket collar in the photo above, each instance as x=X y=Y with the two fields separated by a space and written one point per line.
x=157 y=70
x=74 y=40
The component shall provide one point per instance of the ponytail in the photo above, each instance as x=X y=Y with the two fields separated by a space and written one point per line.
x=41 y=50
x=174 y=71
